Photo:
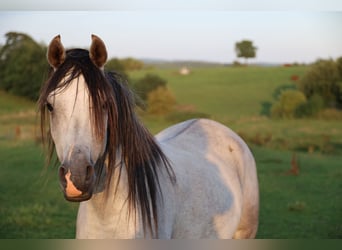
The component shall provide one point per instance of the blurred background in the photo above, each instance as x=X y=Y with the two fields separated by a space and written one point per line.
x=272 y=75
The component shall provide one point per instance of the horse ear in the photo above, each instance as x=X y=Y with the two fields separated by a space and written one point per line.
x=98 y=51
x=56 y=52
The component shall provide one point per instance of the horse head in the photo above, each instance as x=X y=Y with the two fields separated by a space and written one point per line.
x=77 y=114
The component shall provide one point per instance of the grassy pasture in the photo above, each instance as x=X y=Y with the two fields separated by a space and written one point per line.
x=234 y=96
x=226 y=93
x=304 y=206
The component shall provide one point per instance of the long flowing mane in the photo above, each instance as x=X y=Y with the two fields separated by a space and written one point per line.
x=140 y=155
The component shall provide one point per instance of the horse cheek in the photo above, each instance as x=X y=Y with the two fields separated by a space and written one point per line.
x=57 y=136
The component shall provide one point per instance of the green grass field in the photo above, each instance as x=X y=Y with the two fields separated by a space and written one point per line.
x=227 y=93
x=305 y=206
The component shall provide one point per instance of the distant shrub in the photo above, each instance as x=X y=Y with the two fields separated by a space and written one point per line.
x=321 y=86
x=324 y=79
x=288 y=102
x=160 y=101
x=329 y=114
x=339 y=67
x=147 y=84
x=116 y=65
x=311 y=107
x=131 y=64
x=237 y=64
x=279 y=90
x=266 y=108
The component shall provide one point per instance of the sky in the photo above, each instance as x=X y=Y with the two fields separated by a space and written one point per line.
x=205 y=33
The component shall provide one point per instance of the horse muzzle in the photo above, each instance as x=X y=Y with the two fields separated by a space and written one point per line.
x=77 y=185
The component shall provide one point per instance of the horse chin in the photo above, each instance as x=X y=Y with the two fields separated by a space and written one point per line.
x=83 y=197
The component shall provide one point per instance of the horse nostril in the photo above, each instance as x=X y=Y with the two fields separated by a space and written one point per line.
x=62 y=172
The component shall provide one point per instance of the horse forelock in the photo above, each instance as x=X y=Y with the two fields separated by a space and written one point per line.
x=140 y=154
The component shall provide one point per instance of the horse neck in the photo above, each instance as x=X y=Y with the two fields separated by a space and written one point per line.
x=115 y=194
x=104 y=164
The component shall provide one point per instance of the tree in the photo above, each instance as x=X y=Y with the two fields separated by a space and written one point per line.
x=339 y=67
x=131 y=64
x=116 y=65
x=160 y=101
x=147 y=84
x=310 y=108
x=23 y=66
x=245 y=49
x=288 y=102
x=324 y=79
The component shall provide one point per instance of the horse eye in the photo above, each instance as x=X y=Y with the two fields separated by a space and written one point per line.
x=49 y=107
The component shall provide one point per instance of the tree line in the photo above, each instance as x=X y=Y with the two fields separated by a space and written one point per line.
x=319 y=90
x=23 y=65
x=23 y=68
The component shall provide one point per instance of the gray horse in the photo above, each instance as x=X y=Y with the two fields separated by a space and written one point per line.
x=196 y=179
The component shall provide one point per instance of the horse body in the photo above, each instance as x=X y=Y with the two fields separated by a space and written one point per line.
x=196 y=179
x=216 y=177
x=214 y=170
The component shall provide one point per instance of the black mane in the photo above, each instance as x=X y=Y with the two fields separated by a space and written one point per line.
x=140 y=154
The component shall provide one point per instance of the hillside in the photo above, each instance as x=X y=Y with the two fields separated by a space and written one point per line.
x=13 y=104
x=235 y=97
x=18 y=118
x=306 y=205
x=225 y=91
